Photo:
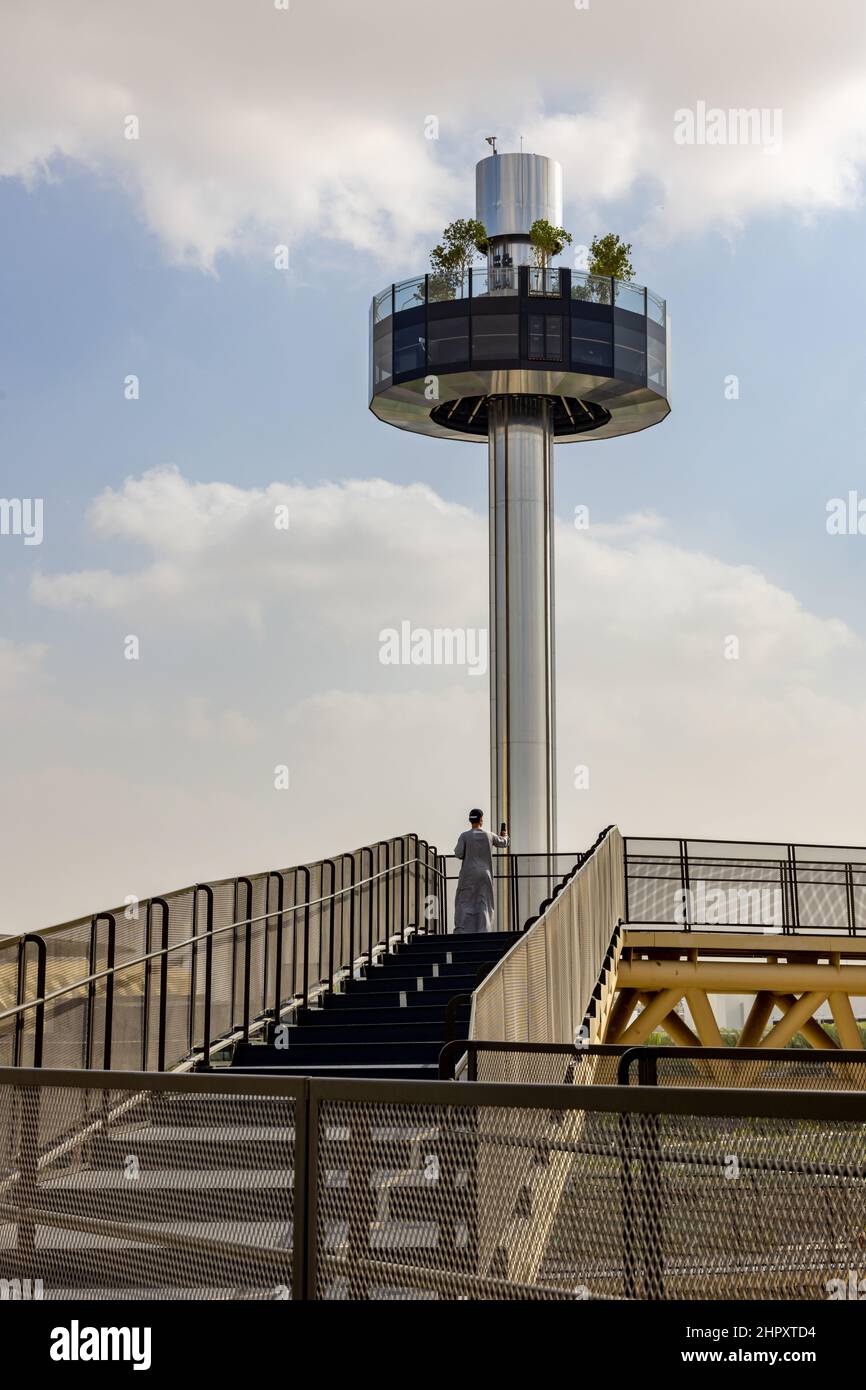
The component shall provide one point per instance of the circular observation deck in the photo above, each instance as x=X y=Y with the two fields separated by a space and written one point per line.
x=596 y=348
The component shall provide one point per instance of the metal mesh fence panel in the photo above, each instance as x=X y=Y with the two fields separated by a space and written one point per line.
x=426 y=1201
x=735 y=885
x=222 y=962
x=540 y=991
x=572 y=1067
x=147 y=1193
x=797 y=1069
x=711 y=1207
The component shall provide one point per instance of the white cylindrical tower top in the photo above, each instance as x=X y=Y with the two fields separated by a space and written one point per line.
x=513 y=190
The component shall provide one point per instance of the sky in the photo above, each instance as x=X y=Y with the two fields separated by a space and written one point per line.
x=134 y=767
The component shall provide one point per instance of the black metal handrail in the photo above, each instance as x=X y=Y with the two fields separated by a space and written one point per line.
x=318 y=968
x=639 y=1064
x=668 y=880
x=518 y=877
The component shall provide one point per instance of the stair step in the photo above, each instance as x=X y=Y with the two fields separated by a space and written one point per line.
x=230 y=1196
x=363 y=996
x=445 y=983
x=365 y=1071
x=248 y=1056
x=341 y=1012
x=396 y=1032
x=66 y=1259
x=194 y=1148
x=431 y=957
x=406 y=965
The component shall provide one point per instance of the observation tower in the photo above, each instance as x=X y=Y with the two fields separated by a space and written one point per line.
x=521 y=356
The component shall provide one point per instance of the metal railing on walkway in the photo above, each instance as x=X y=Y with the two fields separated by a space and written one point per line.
x=158 y=983
x=608 y=1064
x=542 y=989
x=131 y=1186
x=521 y=883
x=755 y=1067
x=744 y=885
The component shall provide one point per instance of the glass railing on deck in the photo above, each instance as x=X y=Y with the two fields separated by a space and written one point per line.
x=488 y=281
x=495 y=280
x=629 y=296
x=592 y=289
x=544 y=280
x=655 y=308
x=382 y=305
x=409 y=293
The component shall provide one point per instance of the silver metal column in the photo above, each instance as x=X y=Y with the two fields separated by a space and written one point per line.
x=522 y=710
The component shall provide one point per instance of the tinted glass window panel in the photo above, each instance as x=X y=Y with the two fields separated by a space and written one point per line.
x=382 y=359
x=536 y=336
x=629 y=347
x=591 y=344
x=630 y=338
x=495 y=336
x=553 y=344
x=447 y=341
x=409 y=351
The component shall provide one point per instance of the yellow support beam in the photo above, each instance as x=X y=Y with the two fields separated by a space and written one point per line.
x=679 y=1031
x=843 y=1017
x=656 y=1010
x=742 y=977
x=757 y=943
x=811 y=1029
x=759 y=1017
x=705 y=1020
x=624 y=1006
x=798 y=1014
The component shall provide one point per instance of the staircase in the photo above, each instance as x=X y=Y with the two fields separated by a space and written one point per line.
x=392 y=1021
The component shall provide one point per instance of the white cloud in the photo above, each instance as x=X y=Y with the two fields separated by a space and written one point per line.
x=260 y=126
x=20 y=664
x=159 y=772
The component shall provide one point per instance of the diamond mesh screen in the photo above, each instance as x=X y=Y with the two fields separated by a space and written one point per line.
x=794 y=1070
x=735 y=885
x=151 y=1193
x=541 y=990
x=422 y=1201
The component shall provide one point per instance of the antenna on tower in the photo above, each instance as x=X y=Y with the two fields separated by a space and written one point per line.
x=491 y=140
x=521 y=144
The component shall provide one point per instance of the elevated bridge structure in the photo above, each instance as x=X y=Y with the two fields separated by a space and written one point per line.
x=231 y=1091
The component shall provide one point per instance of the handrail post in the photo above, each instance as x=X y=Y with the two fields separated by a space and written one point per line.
x=441 y=887
x=39 y=1023
x=421 y=885
x=351 y=960
x=416 y=909
x=91 y=994
x=386 y=844
x=109 y=989
x=304 y=869
x=208 y=966
x=193 y=963
x=374 y=860
x=278 y=944
x=625 y=876
x=248 y=955
x=163 y=985
x=145 y=1004
x=402 y=881
x=686 y=885
x=795 y=894
x=331 y=902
